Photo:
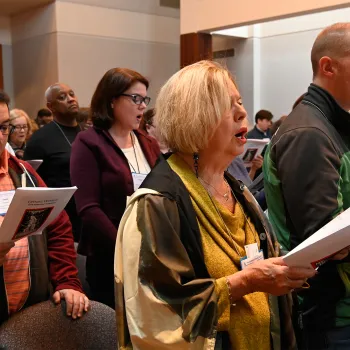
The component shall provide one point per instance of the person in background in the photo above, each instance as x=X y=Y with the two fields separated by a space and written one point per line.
x=147 y=122
x=44 y=117
x=238 y=169
x=261 y=130
x=53 y=142
x=20 y=128
x=148 y=126
x=109 y=161
x=179 y=282
x=33 y=128
x=29 y=265
x=84 y=118
x=307 y=184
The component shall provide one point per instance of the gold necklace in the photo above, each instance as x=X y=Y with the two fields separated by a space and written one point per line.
x=228 y=231
x=226 y=195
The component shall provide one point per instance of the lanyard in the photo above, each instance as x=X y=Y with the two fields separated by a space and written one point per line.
x=64 y=135
x=137 y=163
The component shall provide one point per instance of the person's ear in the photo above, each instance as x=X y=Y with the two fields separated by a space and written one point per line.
x=327 y=66
x=50 y=107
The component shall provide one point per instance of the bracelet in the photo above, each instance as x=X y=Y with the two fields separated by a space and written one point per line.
x=229 y=292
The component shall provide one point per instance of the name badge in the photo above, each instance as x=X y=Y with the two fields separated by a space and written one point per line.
x=245 y=262
x=138 y=179
x=251 y=250
x=5 y=201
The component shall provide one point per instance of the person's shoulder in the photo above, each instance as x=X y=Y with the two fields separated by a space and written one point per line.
x=89 y=136
x=92 y=139
x=144 y=137
x=18 y=166
x=304 y=116
x=43 y=133
x=252 y=133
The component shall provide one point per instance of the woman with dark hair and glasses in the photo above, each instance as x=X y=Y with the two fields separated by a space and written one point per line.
x=108 y=163
x=20 y=129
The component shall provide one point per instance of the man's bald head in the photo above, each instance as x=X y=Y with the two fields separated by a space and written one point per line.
x=61 y=100
x=333 y=42
x=54 y=88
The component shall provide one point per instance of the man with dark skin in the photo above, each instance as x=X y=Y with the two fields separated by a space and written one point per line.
x=52 y=143
x=63 y=103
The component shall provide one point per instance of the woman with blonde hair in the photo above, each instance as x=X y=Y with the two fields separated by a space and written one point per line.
x=196 y=263
x=21 y=128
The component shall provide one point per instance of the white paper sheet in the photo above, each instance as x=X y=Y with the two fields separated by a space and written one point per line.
x=252 y=149
x=331 y=238
x=32 y=209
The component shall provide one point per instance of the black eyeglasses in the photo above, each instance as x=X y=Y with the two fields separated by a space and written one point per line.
x=19 y=127
x=138 y=99
x=5 y=129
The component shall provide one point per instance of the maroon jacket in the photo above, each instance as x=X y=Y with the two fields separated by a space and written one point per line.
x=101 y=172
x=52 y=254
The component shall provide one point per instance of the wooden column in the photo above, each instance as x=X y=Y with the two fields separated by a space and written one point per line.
x=1 y=71
x=195 y=47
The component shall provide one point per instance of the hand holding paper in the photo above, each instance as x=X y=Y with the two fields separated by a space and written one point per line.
x=252 y=149
x=273 y=276
x=331 y=239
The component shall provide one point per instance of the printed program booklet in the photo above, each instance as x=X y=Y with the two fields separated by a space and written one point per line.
x=252 y=149
x=29 y=210
x=324 y=243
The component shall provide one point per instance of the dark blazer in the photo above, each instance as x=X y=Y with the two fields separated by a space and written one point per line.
x=101 y=172
x=256 y=134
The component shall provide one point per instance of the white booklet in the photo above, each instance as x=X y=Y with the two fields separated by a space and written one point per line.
x=35 y=163
x=324 y=243
x=29 y=210
x=252 y=149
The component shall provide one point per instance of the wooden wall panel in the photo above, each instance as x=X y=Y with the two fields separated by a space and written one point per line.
x=195 y=47
x=1 y=70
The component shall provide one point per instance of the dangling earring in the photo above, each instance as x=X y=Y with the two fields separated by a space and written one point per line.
x=112 y=105
x=195 y=159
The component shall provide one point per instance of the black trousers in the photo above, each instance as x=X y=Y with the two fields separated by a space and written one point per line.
x=335 y=339
x=100 y=277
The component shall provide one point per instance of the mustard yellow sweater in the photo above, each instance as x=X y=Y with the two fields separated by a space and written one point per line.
x=248 y=323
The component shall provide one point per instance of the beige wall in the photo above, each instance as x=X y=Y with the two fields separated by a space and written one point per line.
x=141 y=6
x=35 y=67
x=77 y=41
x=5 y=41
x=115 y=23
x=8 y=71
x=84 y=59
x=34 y=56
x=211 y=15
x=105 y=38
